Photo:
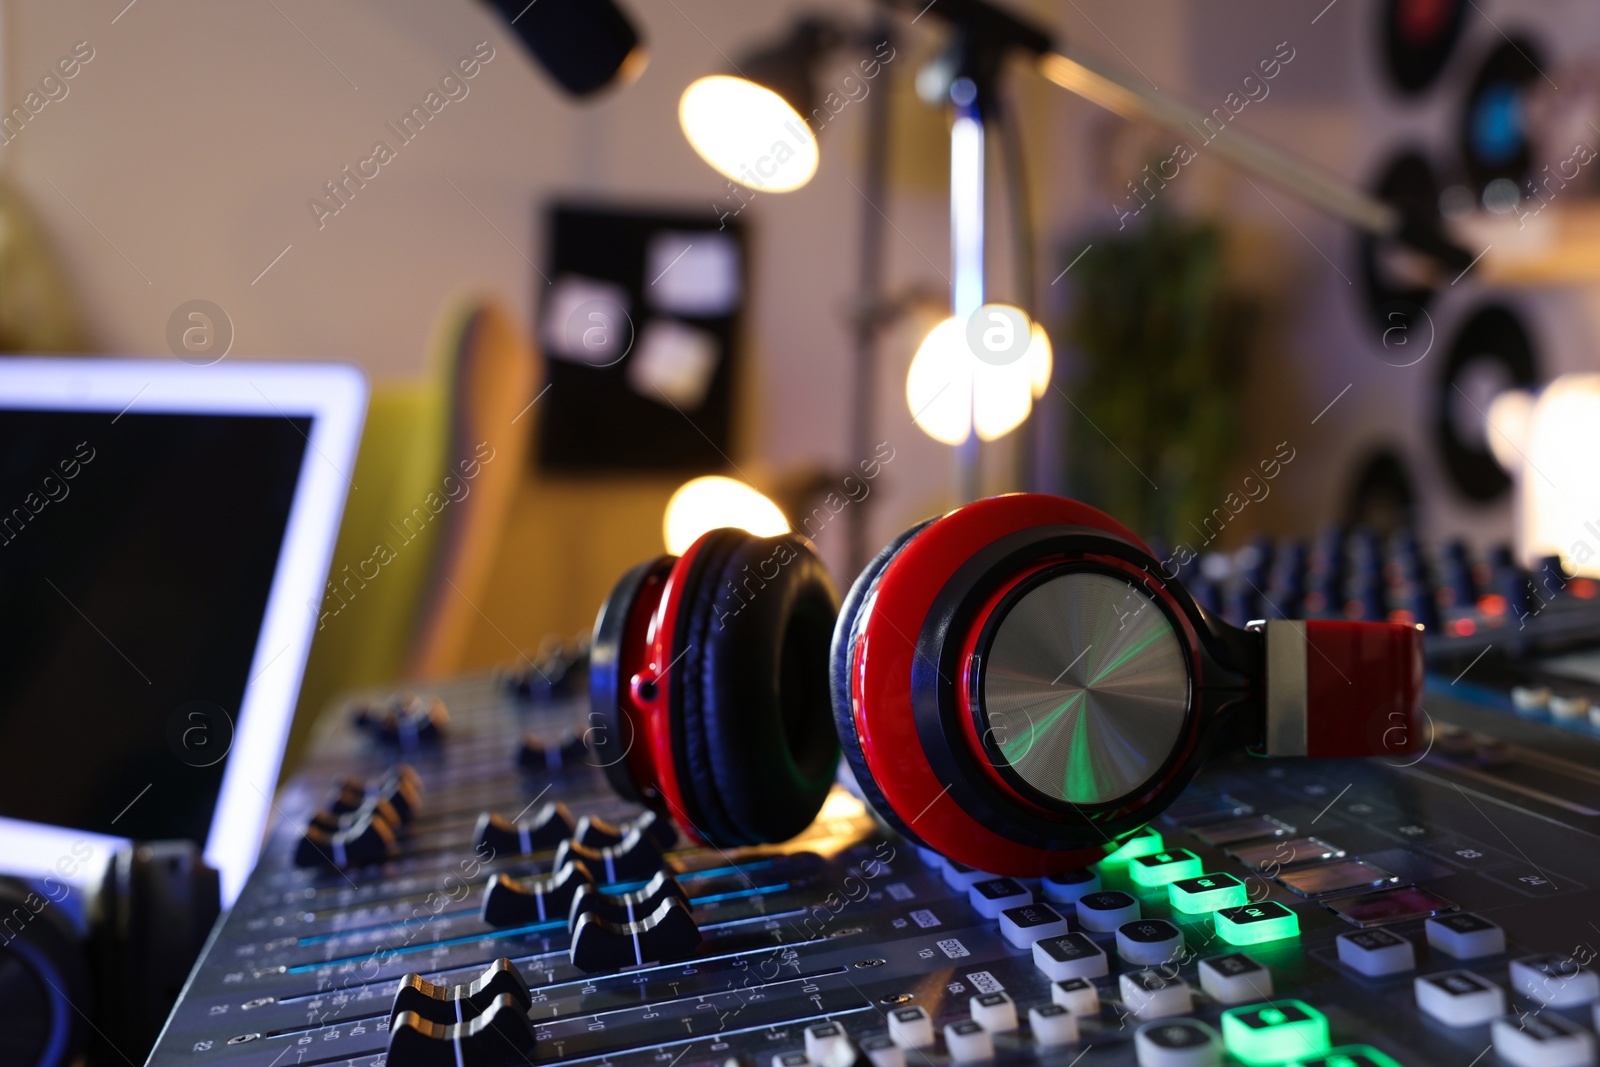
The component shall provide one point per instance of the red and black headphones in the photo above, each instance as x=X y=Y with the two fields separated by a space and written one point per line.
x=1017 y=685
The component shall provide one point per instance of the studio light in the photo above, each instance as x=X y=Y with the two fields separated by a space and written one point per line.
x=951 y=391
x=584 y=45
x=751 y=126
x=712 y=502
x=748 y=133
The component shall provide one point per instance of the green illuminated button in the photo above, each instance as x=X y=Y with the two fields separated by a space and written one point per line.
x=1275 y=1033
x=1209 y=892
x=1255 y=923
x=1163 y=868
x=1348 y=1056
x=1143 y=843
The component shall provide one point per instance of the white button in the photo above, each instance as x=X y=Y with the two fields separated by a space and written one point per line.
x=1031 y=923
x=994 y=895
x=1465 y=936
x=883 y=1052
x=1069 y=956
x=1529 y=698
x=1149 y=941
x=823 y=1041
x=929 y=856
x=1151 y=994
x=1554 y=979
x=1104 y=911
x=967 y=1041
x=911 y=1027
x=791 y=1059
x=960 y=877
x=1053 y=1025
x=1569 y=707
x=995 y=1012
x=1235 y=979
x=1376 y=952
x=1541 y=1039
x=1077 y=995
x=1460 y=998
x=1067 y=888
x=1177 y=1043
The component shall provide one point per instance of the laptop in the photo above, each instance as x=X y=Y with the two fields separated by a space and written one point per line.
x=165 y=535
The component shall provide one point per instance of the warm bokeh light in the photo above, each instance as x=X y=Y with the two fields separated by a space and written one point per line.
x=1547 y=442
x=748 y=133
x=939 y=384
x=948 y=389
x=1041 y=361
x=712 y=502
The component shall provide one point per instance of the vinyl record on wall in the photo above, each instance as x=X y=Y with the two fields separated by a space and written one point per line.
x=1395 y=279
x=1418 y=37
x=1491 y=353
x=1494 y=117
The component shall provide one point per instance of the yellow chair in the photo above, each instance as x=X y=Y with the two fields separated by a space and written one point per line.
x=439 y=466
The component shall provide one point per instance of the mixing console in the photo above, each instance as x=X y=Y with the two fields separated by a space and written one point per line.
x=451 y=882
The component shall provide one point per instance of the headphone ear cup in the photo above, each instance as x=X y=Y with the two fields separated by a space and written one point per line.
x=839 y=656
x=688 y=692
x=607 y=684
x=752 y=706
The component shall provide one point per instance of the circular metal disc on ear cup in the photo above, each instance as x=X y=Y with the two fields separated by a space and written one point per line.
x=1085 y=689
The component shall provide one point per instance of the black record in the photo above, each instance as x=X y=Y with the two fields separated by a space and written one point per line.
x=1396 y=299
x=1493 y=129
x=1418 y=37
x=1492 y=351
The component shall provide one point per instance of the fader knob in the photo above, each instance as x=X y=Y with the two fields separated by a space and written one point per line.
x=634 y=858
x=598 y=833
x=666 y=934
x=549 y=826
x=501 y=1037
x=369 y=840
x=508 y=902
x=399 y=795
x=408 y=720
x=454 y=1004
x=626 y=907
x=352 y=794
x=536 y=755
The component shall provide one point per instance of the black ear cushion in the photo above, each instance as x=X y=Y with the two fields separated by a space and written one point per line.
x=844 y=720
x=608 y=734
x=697 y=611
x=758 y=739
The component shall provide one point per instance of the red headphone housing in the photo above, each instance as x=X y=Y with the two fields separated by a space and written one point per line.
x=708 y=687
x=909 y=658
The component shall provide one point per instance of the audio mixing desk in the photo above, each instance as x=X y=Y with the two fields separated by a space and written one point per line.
x=1358 y=913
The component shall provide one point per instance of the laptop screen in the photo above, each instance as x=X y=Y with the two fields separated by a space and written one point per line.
x=135 y=562
x=165 y=532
